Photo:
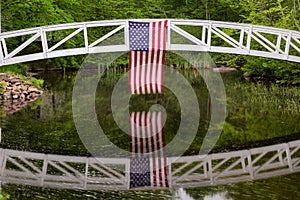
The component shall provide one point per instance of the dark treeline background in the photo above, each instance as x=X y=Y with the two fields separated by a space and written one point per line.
x=20 y=14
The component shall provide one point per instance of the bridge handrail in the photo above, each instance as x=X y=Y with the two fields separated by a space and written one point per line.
x=56 y=27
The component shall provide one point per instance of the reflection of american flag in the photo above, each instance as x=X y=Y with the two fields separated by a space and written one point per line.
x=148 y=165
x=147 y=42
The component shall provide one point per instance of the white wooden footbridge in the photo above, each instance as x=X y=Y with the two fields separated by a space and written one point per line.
x=89 y=173
x=210 y=36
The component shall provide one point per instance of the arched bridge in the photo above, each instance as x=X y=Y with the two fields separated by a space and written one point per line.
x=183 y=35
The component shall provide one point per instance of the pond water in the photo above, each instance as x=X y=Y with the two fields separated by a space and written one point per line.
x=257 y=115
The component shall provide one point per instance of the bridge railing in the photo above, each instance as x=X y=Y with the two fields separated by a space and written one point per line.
x=270 y=42
x=210 y=36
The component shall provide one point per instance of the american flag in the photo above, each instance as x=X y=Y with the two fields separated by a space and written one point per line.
x=147 y=41
x=148 y=166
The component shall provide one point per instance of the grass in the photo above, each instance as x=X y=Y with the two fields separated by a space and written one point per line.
x=20 y=70
x=2 y=85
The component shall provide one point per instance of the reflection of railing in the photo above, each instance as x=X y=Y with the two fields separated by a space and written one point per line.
x=209 y=36
x=47 y=170
x=63 y=171
x=237 y=166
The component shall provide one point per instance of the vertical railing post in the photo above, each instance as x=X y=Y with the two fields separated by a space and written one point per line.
x=126 y=34
x=210 y=169
x=4 y=47
x=287 y=46
x=127 y=173
x=278 y=43
x=242 y=34
x=288 y=157
x=170 y=177
x=209 y=35
x=1 y=160
x=169 y=35
x=249 y=37
x=44 y=42
x=250 y=167
x=86 y=172
x=203 y=38
x=1 y=163
x=86 y=39
x=44 y=170
x=1 y=54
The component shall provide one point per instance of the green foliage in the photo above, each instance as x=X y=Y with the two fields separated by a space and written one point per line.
x=2 y=85
x=4 y=196
x=37 y=82
x=19 y=68
x=280 y=71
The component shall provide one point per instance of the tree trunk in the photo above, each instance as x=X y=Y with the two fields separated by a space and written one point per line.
x=281 y=9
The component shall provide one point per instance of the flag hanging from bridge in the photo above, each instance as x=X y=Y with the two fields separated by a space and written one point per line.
x=147 y=41
x=148 y=166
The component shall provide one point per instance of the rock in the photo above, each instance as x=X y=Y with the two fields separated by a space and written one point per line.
x=23 y=87
x=34 y=95
x=32 y=89
x=15 y=88
x=31 y=96
x=223 y=69
x=2 y=75
x=22 y=96
x=14 y=80
x=246 y=75
x=6 y=95
x=17 y=93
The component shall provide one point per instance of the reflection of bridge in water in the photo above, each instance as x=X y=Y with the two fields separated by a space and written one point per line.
x=48 y=170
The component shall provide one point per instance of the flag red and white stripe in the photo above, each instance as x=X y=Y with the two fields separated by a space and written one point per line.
x=147 y=66
x=147 y=141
